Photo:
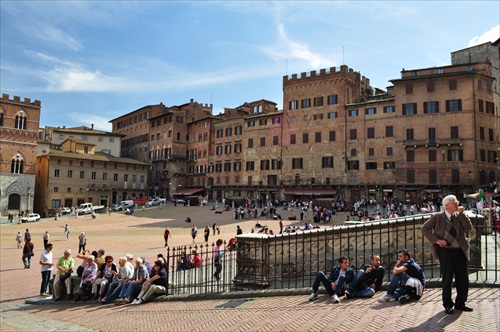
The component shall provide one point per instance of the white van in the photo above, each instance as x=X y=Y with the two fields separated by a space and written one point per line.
x=127 y=203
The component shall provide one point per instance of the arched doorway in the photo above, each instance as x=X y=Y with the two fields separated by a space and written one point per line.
x=14 y=202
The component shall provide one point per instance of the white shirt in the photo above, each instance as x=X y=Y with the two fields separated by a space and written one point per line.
x=46 y=257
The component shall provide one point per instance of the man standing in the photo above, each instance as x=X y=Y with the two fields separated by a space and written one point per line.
x=46 y=268
x=194 y=232
x=28 y=253
x=301 y=214
x=66 y=231
x=166 y=235
x=27 y=235
x=336 y=283
x=367 y=280
x=19 y=240
x=281 y=226
x=446 y=232
x=408 y=274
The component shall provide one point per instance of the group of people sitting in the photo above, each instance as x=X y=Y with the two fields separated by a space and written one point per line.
x=407 y=282
x=99 y=278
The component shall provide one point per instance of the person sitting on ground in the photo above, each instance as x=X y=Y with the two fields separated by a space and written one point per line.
x=407 y=274
x=336 y=283
x=64 y=266
x=100 y=258
x=195 y=259
x=104 y=277
x=160 y=257
x=133 y=286
x=125 y=272
x=88 y=276
x=184 y=261
x=367 y=280
x=147 y=264
x=157 y=283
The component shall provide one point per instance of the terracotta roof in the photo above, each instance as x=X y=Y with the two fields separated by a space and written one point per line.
x=98 y=156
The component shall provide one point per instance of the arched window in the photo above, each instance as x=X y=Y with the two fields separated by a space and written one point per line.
x=17 y=165
x=20 y=120
x=260 y=109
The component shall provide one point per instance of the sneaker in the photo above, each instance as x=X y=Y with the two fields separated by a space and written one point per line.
x=348 y=294
x=403 y=299
x=314 y=296
x=386 y=298
x=137 y=302
x=335 y=298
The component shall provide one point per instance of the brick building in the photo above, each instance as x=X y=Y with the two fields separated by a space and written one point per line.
x=19 y=121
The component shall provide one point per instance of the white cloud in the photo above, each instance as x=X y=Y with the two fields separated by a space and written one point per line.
x=489 y=36
x=99 y=122
x=289 y=49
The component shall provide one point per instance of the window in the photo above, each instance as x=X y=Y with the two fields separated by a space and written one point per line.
x=332 y=115
x=454 y=105
x=179 y=119
x=432 y=155
x=238 y=130
x=59 y=161
x=409 y=88
x=82 y=174
x=218 y=150
x=455 y=155
x=251 y=123
x=237 y=148
x=480 y=105
x=115 y=177
x=70 y=174
x=353 y=165
x=305 y=138
x=410 y=156
x=68 y=190
x=250 y=166
x=371 y=152
x=272 y=180
x=430 y=86
x=317 y=137
x=56 y=173
x=218 y=168
x=389 y=109
x=482 y=154
x=454 y=132
x=262 y=141
x=370 y=132
x=125 y=177
x=142 y=179
x=305 y=103
x=276 y=164
x=276 y=120
x=490 y=135
x=455 y=176
x=227 y=149
x=318 y=116
x=490 y=107
x=389 y=131
x=227 y=167
x=371 y=165
x=410 y=109
x=220 y=133
x=327 y=162
x=56 y=189
x=432 y=176
x=353 y=134
x=331 y=136
x=237 y=166
x=371 y=110
x=293 y=119
x=229 y=132
x=85 y=138
x=264 y=165
x=353 y=152
x=318 y=101
x=410 y=176
x=293 y=138
x=111 y=140
x=353 y=113
x=250 y=142
x=94 y=175
x=293 y=105
x=389 y=151
x=481 y=133
x=431 y=107
x=452 y=84
x=409 y=134
x=262 y=122
x=276 y=140
x=332 y=99
x=432 y=135
x=297 y=163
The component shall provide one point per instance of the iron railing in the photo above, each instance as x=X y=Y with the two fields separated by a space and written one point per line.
x=293 y=260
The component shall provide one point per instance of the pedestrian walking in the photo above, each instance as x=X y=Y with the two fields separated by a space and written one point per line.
x=206 y=233
x=213 y=227
x=66 y=231
x=239 y=231
x=194 y=232
x=218 y=253
x=281 y=226
x=46 y=238
x=19 y=240
x=27 y=235
x=28 y=253
x=82 y=242
x=46 y=268
x=166 y=235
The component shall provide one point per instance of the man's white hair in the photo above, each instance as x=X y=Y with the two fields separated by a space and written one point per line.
x=448 y=198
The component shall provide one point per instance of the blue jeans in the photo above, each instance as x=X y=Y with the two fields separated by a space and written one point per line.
x=114 y=289
x=358 y=287
x=321 y=278
x=45 y=281
x=396 y=280
x=130 y=290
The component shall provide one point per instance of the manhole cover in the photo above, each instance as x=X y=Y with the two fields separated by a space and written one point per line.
x=231 y=304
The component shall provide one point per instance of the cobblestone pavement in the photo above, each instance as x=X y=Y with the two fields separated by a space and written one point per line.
x=141 y=234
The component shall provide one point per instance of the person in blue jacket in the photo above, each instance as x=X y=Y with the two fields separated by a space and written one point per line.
x=336 y=283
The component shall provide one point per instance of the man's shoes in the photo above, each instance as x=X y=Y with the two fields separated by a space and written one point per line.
x=314 y=296
x=348 y=294
x=335 y=298
x=138 y=301
x=464 y=308
x=448 y=310
x=57 y=299
x=403 y=299
x=386 y=298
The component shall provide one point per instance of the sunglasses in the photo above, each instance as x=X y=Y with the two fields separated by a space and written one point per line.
x=110 y=261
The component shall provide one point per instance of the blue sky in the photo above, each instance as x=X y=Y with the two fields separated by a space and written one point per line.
x=89 y=62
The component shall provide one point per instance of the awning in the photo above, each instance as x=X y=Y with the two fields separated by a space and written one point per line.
x=187 y=192
x=309 y=192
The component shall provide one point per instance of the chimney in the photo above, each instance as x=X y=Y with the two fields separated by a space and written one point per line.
x=92 y=126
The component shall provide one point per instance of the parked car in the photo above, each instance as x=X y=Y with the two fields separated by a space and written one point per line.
x=117 y=207
x=32 y=217
x=153 y=201
x=65 y=210
x=179 y=201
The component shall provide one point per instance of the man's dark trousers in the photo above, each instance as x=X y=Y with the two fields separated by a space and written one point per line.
x=454 y=262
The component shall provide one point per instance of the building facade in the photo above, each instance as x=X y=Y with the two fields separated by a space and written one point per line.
x=19 y=121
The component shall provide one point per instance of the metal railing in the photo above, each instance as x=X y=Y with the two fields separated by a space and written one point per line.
x=293 y=260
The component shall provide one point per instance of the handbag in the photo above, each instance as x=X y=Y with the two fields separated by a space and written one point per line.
x=66 y=275
x=32 y=254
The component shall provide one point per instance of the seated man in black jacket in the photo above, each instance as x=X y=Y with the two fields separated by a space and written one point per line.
x=367 y=280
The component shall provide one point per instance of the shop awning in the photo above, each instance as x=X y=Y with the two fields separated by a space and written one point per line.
x=188 y=192
x=309 y=192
